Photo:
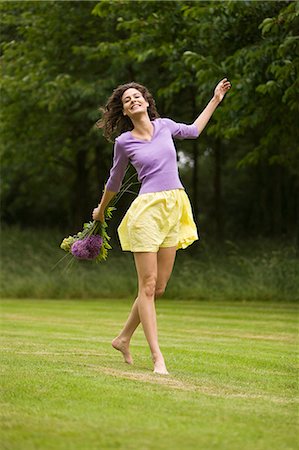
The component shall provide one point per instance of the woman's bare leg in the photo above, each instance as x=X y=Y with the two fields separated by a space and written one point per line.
x=165 y=262
x=165 y=258
x=122 y=341
x=147 y=267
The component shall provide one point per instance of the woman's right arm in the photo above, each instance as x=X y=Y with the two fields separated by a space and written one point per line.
x=117 y=172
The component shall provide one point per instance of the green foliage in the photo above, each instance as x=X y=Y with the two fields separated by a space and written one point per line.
x=48 y=110
x=56 y=72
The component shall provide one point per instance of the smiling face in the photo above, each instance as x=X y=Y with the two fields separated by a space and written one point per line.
x=133 y=103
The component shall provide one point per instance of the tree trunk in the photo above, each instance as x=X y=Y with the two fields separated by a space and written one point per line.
x=101 y=169
x=81 y=207
x=195 y=201
x=218 y=191
x=277 y=202
x=195 y=150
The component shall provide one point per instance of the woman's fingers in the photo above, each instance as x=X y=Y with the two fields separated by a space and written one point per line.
x=97 y=215
x=222 y=87
x=225 y=83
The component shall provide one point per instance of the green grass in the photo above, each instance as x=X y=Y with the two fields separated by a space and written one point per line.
x=254 y=270
x=232 y=382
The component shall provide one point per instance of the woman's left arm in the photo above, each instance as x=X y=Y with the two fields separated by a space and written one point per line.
x=222 y=87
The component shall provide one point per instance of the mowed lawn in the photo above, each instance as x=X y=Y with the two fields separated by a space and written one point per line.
x=232 y=383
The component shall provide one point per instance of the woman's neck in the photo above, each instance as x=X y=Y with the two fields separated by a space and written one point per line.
x=142 y=126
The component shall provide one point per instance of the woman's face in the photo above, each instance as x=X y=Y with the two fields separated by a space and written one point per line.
x=133 y=103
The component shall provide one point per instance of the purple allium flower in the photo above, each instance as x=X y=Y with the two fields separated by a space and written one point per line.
x=87 y=248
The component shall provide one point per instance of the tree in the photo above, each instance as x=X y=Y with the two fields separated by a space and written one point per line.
x=56 y=71
x=49 y=147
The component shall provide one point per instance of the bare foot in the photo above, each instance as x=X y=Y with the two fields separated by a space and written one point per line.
x=160 y=367
x=123 y=346
x=161 y=371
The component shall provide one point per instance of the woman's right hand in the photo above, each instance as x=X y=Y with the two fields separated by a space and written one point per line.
x=98 y=214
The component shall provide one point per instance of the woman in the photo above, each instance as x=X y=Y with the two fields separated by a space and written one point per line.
x=159 y=221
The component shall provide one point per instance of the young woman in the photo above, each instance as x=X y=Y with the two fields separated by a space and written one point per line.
x=159 y=221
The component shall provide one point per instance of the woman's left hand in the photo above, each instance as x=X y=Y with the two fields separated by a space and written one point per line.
x=221 y=89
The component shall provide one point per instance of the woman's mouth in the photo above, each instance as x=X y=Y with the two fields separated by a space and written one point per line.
x=135 y=106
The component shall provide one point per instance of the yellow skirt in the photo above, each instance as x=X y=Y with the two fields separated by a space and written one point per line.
x=158 y=219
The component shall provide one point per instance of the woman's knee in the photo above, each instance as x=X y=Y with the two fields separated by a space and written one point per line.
x=159 y=291
x=148 y=285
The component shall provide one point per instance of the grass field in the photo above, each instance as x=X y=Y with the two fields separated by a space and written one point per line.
x=232 y=384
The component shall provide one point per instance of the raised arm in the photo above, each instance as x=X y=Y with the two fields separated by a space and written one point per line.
x=222 y=87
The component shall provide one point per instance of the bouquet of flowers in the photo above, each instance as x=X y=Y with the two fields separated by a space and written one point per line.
x=92 y=243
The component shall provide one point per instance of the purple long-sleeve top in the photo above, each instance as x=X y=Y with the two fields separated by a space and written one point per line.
x=155 y=160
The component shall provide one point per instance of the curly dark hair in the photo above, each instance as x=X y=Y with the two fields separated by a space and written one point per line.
x=113 y=121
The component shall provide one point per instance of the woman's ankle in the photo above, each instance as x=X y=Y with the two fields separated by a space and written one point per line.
x=123 y=338
x=157 y=356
